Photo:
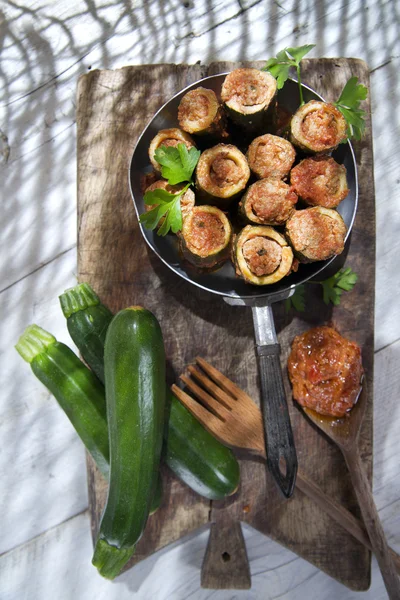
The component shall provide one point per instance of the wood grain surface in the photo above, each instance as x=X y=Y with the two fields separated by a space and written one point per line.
x=113 y=108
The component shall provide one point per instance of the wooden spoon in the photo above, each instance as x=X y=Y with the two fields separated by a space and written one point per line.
x=345 y=432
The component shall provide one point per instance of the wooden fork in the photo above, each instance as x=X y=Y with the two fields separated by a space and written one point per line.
x=232 y=417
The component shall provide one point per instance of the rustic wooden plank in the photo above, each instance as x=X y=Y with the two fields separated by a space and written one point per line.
x=113 y=107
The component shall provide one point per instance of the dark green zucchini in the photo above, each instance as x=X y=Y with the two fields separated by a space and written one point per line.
x=195 y=456
x=134 y=360
x=87 y=320
x=76 y=389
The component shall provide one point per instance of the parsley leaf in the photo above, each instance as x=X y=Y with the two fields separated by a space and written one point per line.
x=167 y=207
x=349 y=105
x=343 y=280
x=297 y=301
x=288 y=57
x=177 y=163
x=332 y=289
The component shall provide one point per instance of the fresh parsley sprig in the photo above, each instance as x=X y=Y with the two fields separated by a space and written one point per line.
x=177 y=166
x=177 y=163
x=332 y=289
x=349 y=105
x=279 y=67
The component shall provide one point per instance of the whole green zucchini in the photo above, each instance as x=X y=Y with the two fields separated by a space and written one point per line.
x=87 y=320
x=76 y=389
x=134 y=361
x=190 y=451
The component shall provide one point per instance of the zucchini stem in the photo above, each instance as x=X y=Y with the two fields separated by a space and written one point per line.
x=78 y=298
x=109 y=560
x=33 y=341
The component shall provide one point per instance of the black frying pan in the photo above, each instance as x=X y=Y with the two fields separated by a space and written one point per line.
x=278 y=432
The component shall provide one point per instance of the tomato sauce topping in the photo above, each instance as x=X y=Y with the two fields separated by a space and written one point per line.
x=325 y=370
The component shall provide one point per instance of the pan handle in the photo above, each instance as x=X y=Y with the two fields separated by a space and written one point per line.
x=279 y=442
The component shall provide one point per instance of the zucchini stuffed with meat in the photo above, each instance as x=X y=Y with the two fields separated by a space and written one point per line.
x=261 y=255
x=317 y=127
x=76 y=389
x=268 y=202
x=205 y=239
x=221 y=174
x=270 y=156
x=316 y=233
x=168 y=137
x=190 y=451
x=249 y=97
x=134 y=360
x=200 y=113
x=320 y=181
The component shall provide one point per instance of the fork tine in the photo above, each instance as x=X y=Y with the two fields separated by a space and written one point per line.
x=213 y=405
x=207 y=419
x=226 y=384
x=211 y=387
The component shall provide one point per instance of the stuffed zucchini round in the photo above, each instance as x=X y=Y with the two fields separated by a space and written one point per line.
x=317 y=127
x=199 y=112
x=262 y=256
x=205 y=239
x=249 y=96
x=270 y=156
x=268 y=202
x=320 y=181
x=187 y=199
x=222 y=173
x=168 y=137
x=316 y=233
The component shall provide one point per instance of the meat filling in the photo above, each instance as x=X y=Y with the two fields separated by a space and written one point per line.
x=224 y=171
x=323 y=126
x=270 y=201
x=248 y=88
x=316 y=235
x=262 y=255
x=197 y=110
x=207 y=233
x=325 y=370
x=270 y=156
x=320 y=181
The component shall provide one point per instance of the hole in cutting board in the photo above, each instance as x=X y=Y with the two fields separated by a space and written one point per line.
x=226 y=557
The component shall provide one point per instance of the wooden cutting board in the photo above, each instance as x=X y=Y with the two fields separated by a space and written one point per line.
x=112 y=109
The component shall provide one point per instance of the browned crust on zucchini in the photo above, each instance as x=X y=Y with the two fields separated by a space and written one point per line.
x=316 y=233
x=320 y=181
x=318 y=127
x=268 y=202
x=206 y=236
x=168 y=137
x=270 y=156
